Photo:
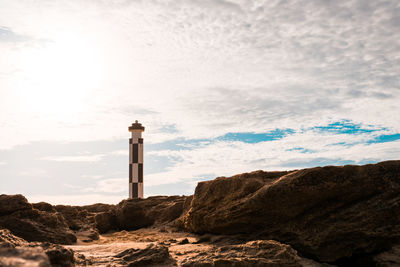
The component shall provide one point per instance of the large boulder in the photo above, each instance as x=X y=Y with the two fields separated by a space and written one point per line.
x=329 y=213
x=137 y=213
x=31 y=224
x=12 y=203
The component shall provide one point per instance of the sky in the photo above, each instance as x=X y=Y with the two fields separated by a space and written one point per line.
x=222 y=86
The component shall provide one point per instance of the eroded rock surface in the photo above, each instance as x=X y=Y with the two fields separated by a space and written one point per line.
x=133 y=214
x=23 y=256
x=325 y=213
x=23 y=220
x=59 y=255
x=15 y=251
x=344 y=216
x=252 y=253
x=154 y=254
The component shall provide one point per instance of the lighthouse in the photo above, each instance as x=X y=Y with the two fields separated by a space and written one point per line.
x=136 y=161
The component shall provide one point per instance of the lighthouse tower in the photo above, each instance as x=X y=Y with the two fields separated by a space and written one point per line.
x=136 y=161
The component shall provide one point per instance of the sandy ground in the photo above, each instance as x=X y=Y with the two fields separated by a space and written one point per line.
x=102 y=252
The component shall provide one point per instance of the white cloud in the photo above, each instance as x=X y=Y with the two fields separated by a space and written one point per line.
x=33 y=172
x=95 y=176
x=224 y=158
x=77 y=158
x=122 y=152
x=207 y=68
x=114 y=185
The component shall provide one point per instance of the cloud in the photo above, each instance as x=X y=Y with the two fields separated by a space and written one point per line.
x=213 y=67
x=7 y=35
x=78 y=158
x=192 y=72
x=114 y=185
x=349 y=144
x=122 y=152
x=34 y=172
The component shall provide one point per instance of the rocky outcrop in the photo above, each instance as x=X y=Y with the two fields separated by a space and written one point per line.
x=15 y=251
x=329 y=213
x=23 y=220
x=11 y=240
x=75 y=217
x=388 y=258
x=44 y=206
x=12 y=203
x=252 y=253
x=59 y=255
x=105 y=221
x=153 y=255
x=136 y=213
x=23 y=256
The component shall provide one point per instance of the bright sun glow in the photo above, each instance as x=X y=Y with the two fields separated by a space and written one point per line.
x=60 y=75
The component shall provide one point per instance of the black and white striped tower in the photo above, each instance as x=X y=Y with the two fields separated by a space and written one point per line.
x=136 y=161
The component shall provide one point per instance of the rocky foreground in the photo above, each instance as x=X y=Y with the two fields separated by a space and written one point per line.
x=325 y=216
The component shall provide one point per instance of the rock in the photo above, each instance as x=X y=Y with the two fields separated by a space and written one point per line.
x=137 y=213
x=7 y=237
x=183 y=241
x=32 y=224
x=23 y=256
x=58 y=255
x=388 y=258
x=253 y=253
x=150 y=256
x=99 y=207
x=43 y=206
x=15 y=251
x=105 y=221
x=73 y=216
x=327 y=213
x=88 y=235
x=12 y=203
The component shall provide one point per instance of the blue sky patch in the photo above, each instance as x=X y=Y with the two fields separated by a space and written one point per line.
x=385 y=138
x=250 y=137
x=347 y=127
x=301 y=150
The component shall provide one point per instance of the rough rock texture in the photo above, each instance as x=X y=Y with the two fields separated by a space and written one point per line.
x=24 y=221
x=12 y=203
x=59 y=255
x=7 y=238
x=44 y=206
x=136 y=213
x=325 y=213
x=149 y=256
x=389 y=258
x=76 y=217
x=15 y=251
x=105 y=221
x=23 y=256
x=253 y=253
x=98 y=207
